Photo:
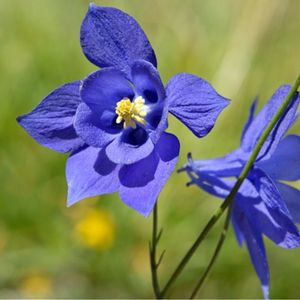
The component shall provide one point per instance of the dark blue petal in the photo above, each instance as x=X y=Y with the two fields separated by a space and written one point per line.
x=284 y=164
x=257 y=252
x=90 y=173
x=95 y=129
x=236 y=217
x=110 y=37
x=291 y=196
x=147 y=82
x=194 y=102
x=250 y=118
x=267 y=190
x=260 y=122
x=103 y=89
x=51 y=122
x=157 y=118
x=142 y=181
x=131 y=146
x=265 y=208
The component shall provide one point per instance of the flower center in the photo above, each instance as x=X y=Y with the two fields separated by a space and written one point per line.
x=131 y=112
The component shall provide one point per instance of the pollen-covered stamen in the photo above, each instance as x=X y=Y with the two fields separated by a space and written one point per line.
x=131 y=112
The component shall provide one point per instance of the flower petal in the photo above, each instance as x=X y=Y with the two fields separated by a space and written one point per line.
x=142 y=181
x=291 y=196
x=250 y=118
x=102 y=89
x=129 y=147
x=228 y=165
x=257 y=252
x=51 y=122
x=158 y=120
x=267 y=190
x=110 y=37
x=236 y=214
x=147 y=82
x=261 y=202
x=97 y=130
x=264 y=117
x=194 y=102
x=207 y=174
x=268 y=212
x=284 y=164
x=240 y=220
x=263 y=205
x=211 y=184
x=90 y=173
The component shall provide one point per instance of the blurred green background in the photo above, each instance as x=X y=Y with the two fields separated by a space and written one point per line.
x=98 y=248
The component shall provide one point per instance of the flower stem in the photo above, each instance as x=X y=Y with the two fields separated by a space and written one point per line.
x=215 y=255
x=152 y=253
x=234 y=190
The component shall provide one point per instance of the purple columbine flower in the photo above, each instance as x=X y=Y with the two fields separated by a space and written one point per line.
x=264 y=205
x=113 y=122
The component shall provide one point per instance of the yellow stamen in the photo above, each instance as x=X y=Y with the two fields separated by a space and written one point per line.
x=131 y=112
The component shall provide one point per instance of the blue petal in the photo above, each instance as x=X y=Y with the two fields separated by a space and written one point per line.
x=263 y=205
x=267 y=216
x=90 y=173
x=250 y=118
x=257 y=252
x=102 y=89
x=97 y=130
x=142 y=181
x=129 y=147
x=291 y=196
x=157 y=118
x=51 y=122
x=110 y=37
x=212 y=185
x=284 y=164
x=261 y=121
x=260 y=201
x=209 y=182
x=228 y=165
x=147 y=82
x=267 y=190
x=194 y=102
x=207 y=174
x=236 y=217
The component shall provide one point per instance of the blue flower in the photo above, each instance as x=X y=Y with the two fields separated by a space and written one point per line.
x=113 y=122
x=264 y=205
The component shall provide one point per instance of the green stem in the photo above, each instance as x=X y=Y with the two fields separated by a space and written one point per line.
x=234 y=190
x=152 y=253
x=215 y=255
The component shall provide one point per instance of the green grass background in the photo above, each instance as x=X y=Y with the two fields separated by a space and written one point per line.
x=244 y=48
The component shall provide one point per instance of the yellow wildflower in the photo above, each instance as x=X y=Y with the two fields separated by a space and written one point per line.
x=96 y=229
x=36 y=286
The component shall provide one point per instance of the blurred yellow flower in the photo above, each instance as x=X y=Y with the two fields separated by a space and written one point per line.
x=36 y=286
x=96 y=229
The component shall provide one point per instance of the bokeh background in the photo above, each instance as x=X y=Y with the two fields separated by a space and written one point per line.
x=98 y=248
